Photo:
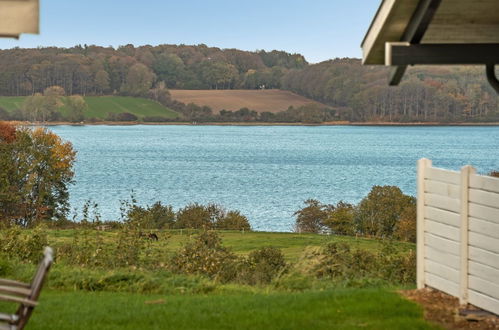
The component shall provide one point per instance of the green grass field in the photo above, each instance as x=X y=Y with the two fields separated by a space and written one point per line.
x=291 y=244
x=339 y=309
x=138 y=297
x=11 y=103
x=100 y=106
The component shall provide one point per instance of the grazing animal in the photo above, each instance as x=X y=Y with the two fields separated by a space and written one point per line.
x=153 y=237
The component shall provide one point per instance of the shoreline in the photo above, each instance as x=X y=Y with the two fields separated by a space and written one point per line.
x=333 y=123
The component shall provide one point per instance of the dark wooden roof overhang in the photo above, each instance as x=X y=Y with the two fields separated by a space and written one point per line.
x=441 y=32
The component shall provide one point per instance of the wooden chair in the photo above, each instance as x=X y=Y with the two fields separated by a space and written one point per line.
x=26 y=295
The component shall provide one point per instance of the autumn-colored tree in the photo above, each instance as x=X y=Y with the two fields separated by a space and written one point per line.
x=405 y=229
x=310 y=219
x=35 y=171
x=494 y=174
x=380 y=211
x=340 y=219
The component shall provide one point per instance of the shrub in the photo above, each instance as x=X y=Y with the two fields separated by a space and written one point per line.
x=205 y=255
x=5 y=266
x=156 y=216
x=122 y=116
x=128 y=248
x=396 y=267
x=86 y=250
x=64 y=277
x=261 y=266
x=340 y=219
x=358 y=267
x=24 y=245
x=195 y=216
x=233 y=220
x=379 y=212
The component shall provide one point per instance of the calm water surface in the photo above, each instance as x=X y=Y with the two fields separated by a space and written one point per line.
x=265 y=172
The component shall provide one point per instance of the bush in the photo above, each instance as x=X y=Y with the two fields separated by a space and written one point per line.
x=206 y=256
x=122 y=116
x=5 y=266
x=233 y=220
x=155 y=216
x=195 y=216
x=261 y=266
x=63 y=277
x=86 y=250
x=24 y=245
x=340 y=219
x=354 y=267
x=380 y=211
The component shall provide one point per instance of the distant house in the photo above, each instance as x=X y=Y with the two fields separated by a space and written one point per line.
x=442 y=32
x=17 y=17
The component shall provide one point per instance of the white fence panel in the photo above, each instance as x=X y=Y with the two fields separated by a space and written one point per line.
x=458 y=234
x=442 y=216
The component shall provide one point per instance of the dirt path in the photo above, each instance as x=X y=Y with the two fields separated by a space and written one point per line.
x=444 y=310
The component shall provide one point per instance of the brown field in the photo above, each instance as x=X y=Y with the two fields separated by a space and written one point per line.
x=272 y=100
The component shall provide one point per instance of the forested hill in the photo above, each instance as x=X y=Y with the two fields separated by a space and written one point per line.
x=130 y=70
x=356 y=92
x=443 y=93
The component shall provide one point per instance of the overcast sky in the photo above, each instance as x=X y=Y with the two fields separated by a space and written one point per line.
x=318 y=29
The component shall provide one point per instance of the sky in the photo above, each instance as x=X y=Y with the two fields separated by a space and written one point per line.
x=318 y=29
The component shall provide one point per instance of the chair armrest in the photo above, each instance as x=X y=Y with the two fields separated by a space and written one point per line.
x=23 y=301
x=15 y=291
x=14 y=283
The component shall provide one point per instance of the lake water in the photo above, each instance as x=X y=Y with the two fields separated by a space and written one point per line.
x=266 y=172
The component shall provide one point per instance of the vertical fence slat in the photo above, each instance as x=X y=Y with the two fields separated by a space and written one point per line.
x=422 y=165
x=466 y=172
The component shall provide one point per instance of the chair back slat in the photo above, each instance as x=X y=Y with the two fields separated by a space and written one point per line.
x=24 y=312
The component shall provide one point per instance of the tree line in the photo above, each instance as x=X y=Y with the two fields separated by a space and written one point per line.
x=426 y=94
x=386 y=212
x=129 y=70
x=355 y=92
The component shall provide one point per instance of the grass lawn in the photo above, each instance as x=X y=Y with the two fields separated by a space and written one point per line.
x=291 y=244
x=100 y=106
x=11 y=103
x=339 y=309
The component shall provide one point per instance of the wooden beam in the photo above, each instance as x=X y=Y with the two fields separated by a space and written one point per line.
x=415 y=31
x=399 y=54
x=491 y=77
x=396 y=75
x=420 y=21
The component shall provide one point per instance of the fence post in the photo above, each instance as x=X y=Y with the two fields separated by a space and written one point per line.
x=423 y=164
x=466 y=171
